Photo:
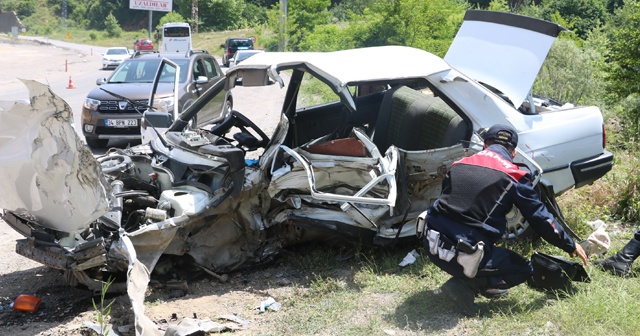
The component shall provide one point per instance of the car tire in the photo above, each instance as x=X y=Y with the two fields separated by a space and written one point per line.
x=97 y=143
x=228 y=106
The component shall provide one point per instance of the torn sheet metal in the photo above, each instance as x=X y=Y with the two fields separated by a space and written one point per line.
x=45 y=166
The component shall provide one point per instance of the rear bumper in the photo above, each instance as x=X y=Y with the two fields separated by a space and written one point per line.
x=587 y=171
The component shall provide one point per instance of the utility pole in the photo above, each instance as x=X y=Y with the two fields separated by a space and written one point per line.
x=282 y=41
x=194 y=15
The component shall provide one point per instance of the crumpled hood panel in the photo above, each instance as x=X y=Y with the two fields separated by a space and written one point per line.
x=45 y=167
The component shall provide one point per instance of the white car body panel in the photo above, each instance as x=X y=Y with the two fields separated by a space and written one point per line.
x=46 y=169
x=243 y=55
x=501 y=52
x=552 y=138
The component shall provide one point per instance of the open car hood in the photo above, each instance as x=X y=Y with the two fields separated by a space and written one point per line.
x=507 y=50
x=46 y=168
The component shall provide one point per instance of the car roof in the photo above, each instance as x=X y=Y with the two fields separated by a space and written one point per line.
x=249 y=51
x=170 y=56
x=353 y=65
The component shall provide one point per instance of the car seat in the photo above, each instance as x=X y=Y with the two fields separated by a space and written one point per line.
x=412 y=120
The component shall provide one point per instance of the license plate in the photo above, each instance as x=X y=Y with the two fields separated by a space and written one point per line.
x=121 y=122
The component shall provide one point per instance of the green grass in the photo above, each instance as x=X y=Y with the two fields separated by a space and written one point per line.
x=371 y=295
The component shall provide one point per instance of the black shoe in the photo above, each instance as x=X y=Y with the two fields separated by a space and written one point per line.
x=620 y=263
x=494 y=293
x=461 y=294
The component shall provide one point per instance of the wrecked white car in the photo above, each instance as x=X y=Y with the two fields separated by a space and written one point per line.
x=359 y=152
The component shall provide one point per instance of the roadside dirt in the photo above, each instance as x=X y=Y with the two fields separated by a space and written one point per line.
x=64 y=309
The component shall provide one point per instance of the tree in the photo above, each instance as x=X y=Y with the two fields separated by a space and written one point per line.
x=97 y=11
x=172 y=16
x=625 y=55
x=23 y=8
x=575 y=74
x=112 y=26
x=585 y=14
x=429 y=25
x=624 y=77
x=222 y=14
x=302 y=18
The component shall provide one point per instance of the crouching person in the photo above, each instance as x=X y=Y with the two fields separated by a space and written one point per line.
x=468 y=219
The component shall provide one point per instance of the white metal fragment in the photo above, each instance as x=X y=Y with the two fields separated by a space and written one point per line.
x=46 y=168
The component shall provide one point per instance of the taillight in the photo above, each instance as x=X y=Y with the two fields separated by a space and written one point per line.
x=604 y=136
x=26 y=303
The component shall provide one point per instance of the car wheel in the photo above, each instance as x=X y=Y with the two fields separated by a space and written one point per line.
x=97 y=143
x=228 y=106
x=517 y=227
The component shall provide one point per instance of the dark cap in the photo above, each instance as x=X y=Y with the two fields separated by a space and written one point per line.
x=502 y=134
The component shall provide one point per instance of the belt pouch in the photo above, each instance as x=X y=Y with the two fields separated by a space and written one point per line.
x=471 y=261
x=434 y=239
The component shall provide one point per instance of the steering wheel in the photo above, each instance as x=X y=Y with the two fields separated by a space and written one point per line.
x=245 y=139
x=113 y=163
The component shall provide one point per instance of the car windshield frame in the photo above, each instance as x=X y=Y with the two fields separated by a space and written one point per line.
x=241 y=43
x=241 y=56
x=116 y=51
x=122 y=75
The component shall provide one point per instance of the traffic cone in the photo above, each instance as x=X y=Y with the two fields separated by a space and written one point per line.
x=70 y=86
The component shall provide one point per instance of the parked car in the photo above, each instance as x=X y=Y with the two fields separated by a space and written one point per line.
x=233 y=44
x=105 y=116
x=142 y=44
x=242 y=55
x=114 y=56
x=360 y=150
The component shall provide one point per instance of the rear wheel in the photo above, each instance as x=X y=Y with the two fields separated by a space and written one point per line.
x=97 y=143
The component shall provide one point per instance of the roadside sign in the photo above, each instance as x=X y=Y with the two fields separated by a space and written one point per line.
x=153 y=5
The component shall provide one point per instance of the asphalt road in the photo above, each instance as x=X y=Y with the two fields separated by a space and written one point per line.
x=51 y=62
x=56 y=63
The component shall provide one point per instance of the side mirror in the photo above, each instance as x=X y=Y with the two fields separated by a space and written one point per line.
x=202 y=80
x=222 y=46
x=101 y=81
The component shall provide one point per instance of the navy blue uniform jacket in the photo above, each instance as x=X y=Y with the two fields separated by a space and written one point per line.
x=477 y=193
